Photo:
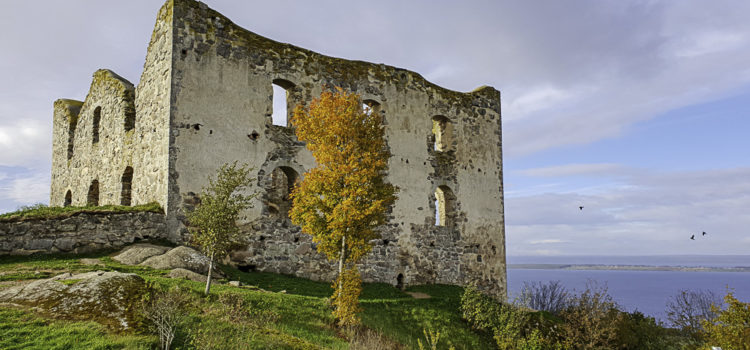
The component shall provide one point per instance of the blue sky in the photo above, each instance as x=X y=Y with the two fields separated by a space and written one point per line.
x=637 y=110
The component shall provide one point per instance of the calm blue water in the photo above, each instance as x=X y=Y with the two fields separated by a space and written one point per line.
x=653 y=260
x=645 y=291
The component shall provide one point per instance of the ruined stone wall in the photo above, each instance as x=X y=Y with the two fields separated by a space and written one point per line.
x=152 y=103
x=91 y=143
x=205 y=99
x=118 y=136
x=221 y=111
x=80 y=233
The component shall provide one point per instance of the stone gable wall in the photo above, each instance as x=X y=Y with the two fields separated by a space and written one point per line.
x=80 y=233
x=221 y=112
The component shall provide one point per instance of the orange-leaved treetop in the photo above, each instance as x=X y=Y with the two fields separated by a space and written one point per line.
x=342 y=201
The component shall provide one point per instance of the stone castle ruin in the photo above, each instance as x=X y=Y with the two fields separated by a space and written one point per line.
x=205 y=98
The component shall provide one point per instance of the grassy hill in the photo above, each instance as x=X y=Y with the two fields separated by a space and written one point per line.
x=269 y=311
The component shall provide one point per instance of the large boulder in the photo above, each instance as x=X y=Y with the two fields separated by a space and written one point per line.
x=187 y=274
x=181 y=257
x=137 y=253
x=109 y=298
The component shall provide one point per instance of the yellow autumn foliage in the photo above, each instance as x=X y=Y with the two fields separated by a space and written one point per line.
x=342 y=201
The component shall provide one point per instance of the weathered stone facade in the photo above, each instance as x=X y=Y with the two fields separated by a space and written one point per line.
x=205 y=98
x=80 y=233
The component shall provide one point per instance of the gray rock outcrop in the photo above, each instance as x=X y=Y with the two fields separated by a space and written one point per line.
x=187 y=274
x=109 y=298
x=180 y=257
x=137 y=253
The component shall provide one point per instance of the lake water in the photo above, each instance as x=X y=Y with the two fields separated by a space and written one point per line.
x=645 y=291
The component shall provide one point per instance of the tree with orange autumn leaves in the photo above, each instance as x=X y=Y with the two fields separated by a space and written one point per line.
x=342 y=201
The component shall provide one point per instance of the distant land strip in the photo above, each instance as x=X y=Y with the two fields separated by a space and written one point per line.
x=628 y=267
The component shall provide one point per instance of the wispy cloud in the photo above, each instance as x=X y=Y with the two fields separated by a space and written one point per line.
x=655 y=213
x=21 y=186
x=575 y=169
x=546 y=241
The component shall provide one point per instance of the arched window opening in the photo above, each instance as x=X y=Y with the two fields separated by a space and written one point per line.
x=129 y=119
x=442 y=129
x=370 y=106
x=127 y=180
x=400 y=281
x=95 y=124
x=71 y=137
x=68 y=199
x=92 y=200
x=444 y=206
x=280 y=114
x=283 y=180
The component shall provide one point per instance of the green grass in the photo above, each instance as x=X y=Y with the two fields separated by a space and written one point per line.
x=302 y=317
x=38 y=266
x=25 y=330
x=41 y=211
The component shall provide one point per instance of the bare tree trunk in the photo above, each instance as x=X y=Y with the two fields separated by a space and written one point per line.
x=342 y=258
x=210 y=269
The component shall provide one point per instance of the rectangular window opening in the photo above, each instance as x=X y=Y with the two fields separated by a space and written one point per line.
x=280 y=112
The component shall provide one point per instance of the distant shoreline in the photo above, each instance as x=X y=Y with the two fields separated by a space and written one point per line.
x=626 y=267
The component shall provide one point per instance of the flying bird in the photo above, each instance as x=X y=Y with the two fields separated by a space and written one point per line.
x=704 y=233
x=692 y=237
x=580 y=208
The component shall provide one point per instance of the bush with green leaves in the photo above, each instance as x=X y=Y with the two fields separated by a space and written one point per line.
x=636 y=331
x=512 y=327
x=213 y=223
x=590 y=320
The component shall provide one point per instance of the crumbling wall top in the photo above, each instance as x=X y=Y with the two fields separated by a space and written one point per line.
x=236 y=42
x=73 y=107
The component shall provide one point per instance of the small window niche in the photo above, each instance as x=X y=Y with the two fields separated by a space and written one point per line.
x=281 y=102
x=92 y=200
x=127 y=180
x=129 y=122
x=95 y=125
x=442 y=130
x=445 y=202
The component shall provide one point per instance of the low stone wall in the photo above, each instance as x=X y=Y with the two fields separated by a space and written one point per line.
x=79 y=233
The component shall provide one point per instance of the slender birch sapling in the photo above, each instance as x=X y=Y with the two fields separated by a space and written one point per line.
x=213 y=223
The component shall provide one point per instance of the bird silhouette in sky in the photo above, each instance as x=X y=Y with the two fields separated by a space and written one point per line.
x=704 y=233
x=692 y=237
x=580 y=208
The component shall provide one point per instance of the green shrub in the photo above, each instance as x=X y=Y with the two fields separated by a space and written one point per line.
x=512 y=328
x=590 y=320
x=637 y=331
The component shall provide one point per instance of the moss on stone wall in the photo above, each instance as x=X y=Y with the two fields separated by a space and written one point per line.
x=73 y=108
x=39 y=212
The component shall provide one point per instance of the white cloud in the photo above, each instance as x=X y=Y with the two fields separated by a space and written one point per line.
x=546 y=241
x=30 y=189
x=575 y=169
x=25 y=142
x=655 y=213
